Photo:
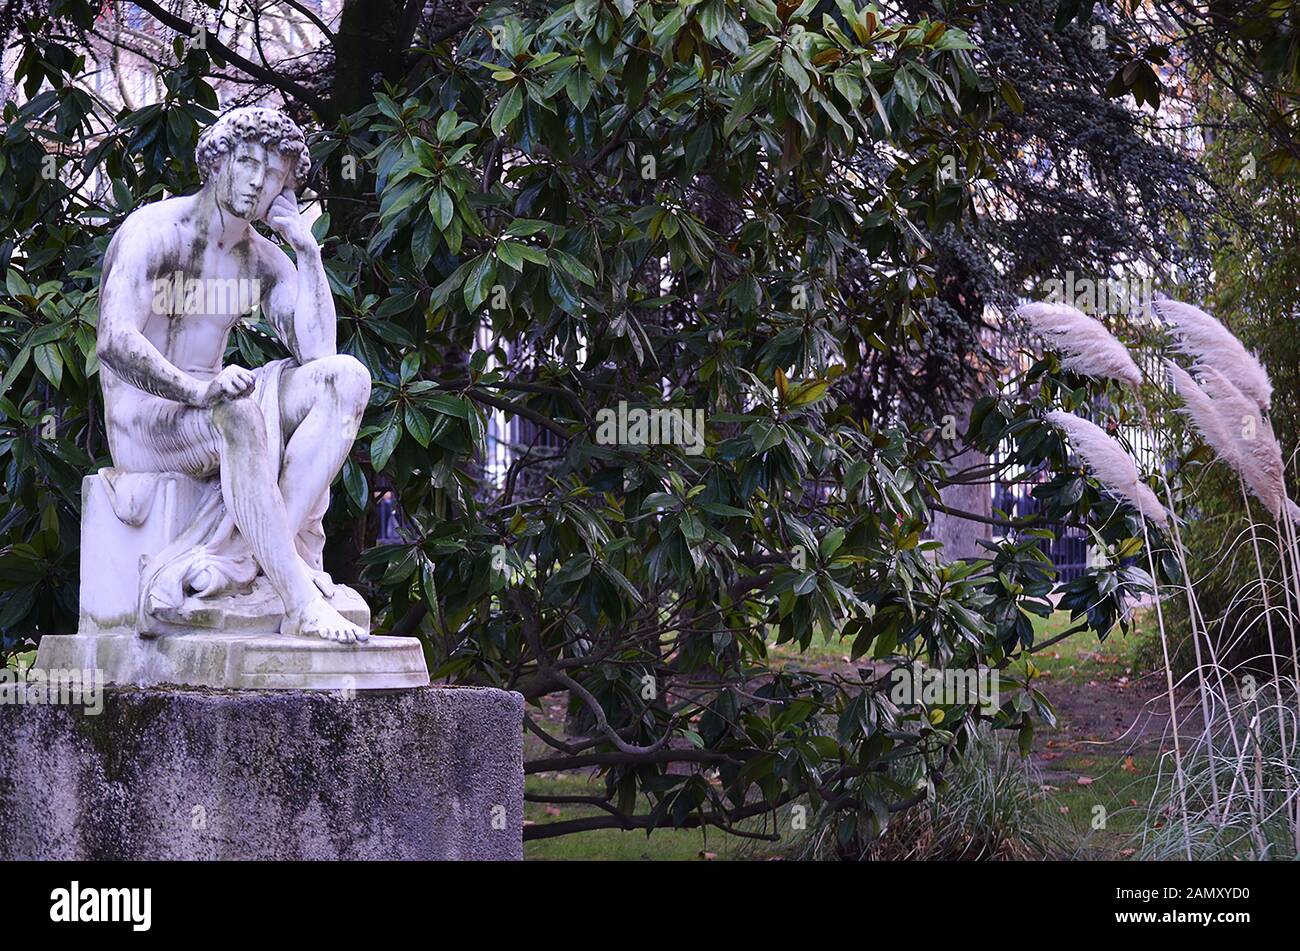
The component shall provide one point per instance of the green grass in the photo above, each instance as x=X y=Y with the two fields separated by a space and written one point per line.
x=1081 y=658
x=1122 y=786
x=820 y=653
x=1108 y=807
x=663 y=845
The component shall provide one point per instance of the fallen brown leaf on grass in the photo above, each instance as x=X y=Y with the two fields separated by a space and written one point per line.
x=1129 y=766
x=1085 y=780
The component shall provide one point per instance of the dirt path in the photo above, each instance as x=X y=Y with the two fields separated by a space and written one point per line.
x=1110 y=712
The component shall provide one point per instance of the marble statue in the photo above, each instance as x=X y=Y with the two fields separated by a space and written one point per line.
x=276 y=436
x=204 y=539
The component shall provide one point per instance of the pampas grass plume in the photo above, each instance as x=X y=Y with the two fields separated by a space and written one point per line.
x=1258 y=453
x=1203 y=338
x=1204 y=415
x=1086 y=346
x=1109 y=463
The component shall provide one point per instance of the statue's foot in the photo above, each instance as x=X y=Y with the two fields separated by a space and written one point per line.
x=318 y=619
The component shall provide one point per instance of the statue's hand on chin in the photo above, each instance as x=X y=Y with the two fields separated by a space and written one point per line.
x=286 y=220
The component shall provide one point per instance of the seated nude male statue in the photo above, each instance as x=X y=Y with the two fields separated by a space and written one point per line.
x=171 y=406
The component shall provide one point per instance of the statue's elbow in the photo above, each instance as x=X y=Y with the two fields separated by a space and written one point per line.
x=110 y=350
x=106 y=351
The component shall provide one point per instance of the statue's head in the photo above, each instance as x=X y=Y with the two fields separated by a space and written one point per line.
x=250 y=155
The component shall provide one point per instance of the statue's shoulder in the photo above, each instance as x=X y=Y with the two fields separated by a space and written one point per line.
x=172 y=210
x=149 y=231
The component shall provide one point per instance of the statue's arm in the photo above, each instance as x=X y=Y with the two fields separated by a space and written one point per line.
x=125 y=300
x=299 y=305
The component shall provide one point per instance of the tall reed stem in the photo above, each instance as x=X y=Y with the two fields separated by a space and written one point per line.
x=1272 y=652
x=1169 y=686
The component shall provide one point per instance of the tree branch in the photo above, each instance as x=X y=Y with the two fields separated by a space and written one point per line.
x=265 y=74
x=626 y=759
x=725 y=820
x=307 y=12
x=518 y=409
x=986 y=519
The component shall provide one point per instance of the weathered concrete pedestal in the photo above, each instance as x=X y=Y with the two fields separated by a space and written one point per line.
x=426 y=773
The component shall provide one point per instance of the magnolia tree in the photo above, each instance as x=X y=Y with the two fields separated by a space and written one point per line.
x=664 y=236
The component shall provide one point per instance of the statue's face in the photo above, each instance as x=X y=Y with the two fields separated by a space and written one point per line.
x=250 y=178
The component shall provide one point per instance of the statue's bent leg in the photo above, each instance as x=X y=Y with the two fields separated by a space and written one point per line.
x=321 y=405
x=248 y=485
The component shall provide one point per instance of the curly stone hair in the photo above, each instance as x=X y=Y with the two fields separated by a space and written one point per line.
x=252 y=124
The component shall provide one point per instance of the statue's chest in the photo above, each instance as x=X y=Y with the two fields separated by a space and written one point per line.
x=211 y=286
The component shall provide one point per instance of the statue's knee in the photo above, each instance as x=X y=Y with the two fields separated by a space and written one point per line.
x=349 y=380
x=239 y=417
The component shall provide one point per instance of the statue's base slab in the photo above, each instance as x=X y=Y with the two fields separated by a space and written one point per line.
x=239 y=660
x=432 y=773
